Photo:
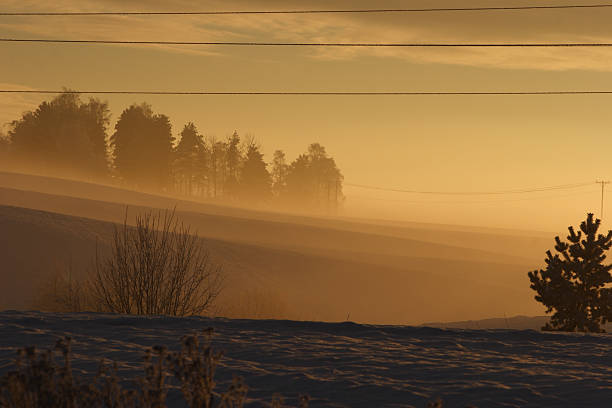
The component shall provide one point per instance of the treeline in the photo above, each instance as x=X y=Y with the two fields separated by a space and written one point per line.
x=67 y=136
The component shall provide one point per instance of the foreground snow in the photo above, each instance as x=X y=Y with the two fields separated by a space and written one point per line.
x=346 y=364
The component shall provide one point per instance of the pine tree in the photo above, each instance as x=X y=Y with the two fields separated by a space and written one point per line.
x=4 y=148
x=233 y=161
x=279 y=173
x=187 y=159
x=216 y=167
x=313 y=180
x=332 y=184
x=301 y=187
x=254 y=180
x=573 y=285
x=202 y=170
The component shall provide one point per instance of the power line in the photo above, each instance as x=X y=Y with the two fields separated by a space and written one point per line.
x=355 y=11
x=477 y=201
x=291 y=93
x=473 y=193
x=307 y=44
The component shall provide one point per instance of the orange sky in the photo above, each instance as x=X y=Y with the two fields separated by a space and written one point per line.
x=452 y=143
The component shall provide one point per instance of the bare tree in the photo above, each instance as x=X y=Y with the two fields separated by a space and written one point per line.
x=156 y=267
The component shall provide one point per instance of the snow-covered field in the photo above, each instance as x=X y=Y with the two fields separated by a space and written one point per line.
x=346 y=364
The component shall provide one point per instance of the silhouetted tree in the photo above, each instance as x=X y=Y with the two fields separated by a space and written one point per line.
x=314 y=180
x=216 y=167
x=4 y=148
x=202 y=170
x=333 y=180
x=188 y=159
x=254 y=179
x=326 y=176
x=69 y=136
x=300 y=185
x=65 y=136
x=142 y=147
x=573 y=285
x=233 y=161
x=279 y=173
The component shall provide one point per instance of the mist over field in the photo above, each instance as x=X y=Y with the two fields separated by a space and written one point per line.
x=270 y=203
x=297 y=267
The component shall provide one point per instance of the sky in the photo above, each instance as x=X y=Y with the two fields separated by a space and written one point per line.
x=426 y=143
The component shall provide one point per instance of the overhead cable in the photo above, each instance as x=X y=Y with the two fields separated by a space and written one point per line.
x=473 y=193
x=317 y=93
x=336 y=11
x=309 y=44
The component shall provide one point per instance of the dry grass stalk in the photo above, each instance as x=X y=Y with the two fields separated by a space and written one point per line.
x=39 y=382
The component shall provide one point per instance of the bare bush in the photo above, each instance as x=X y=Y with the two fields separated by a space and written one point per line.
x=157 y=267
x=63 y=293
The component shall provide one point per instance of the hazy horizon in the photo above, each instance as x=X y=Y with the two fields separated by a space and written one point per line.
x=426 y=143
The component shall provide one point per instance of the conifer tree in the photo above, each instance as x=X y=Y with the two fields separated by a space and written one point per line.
x=187 y=159
x=300 y=184
x=202 y=170
x=313 y=180
x=216 y=167
x=280 y=169
x=575 y=282
x=254 y=180
x=4 y=147
x=233 y=161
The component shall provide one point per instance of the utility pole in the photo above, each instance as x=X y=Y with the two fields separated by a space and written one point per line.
x=603 y=185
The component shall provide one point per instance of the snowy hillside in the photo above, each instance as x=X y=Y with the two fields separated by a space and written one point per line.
x=345 y=364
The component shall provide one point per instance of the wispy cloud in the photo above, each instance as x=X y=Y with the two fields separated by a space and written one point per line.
x=579 y=26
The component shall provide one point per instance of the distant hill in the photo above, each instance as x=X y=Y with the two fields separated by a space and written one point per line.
x=514 y=323
x=522 y=246
x=311 y=268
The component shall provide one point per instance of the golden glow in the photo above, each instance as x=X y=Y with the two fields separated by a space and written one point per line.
x=426 y=143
